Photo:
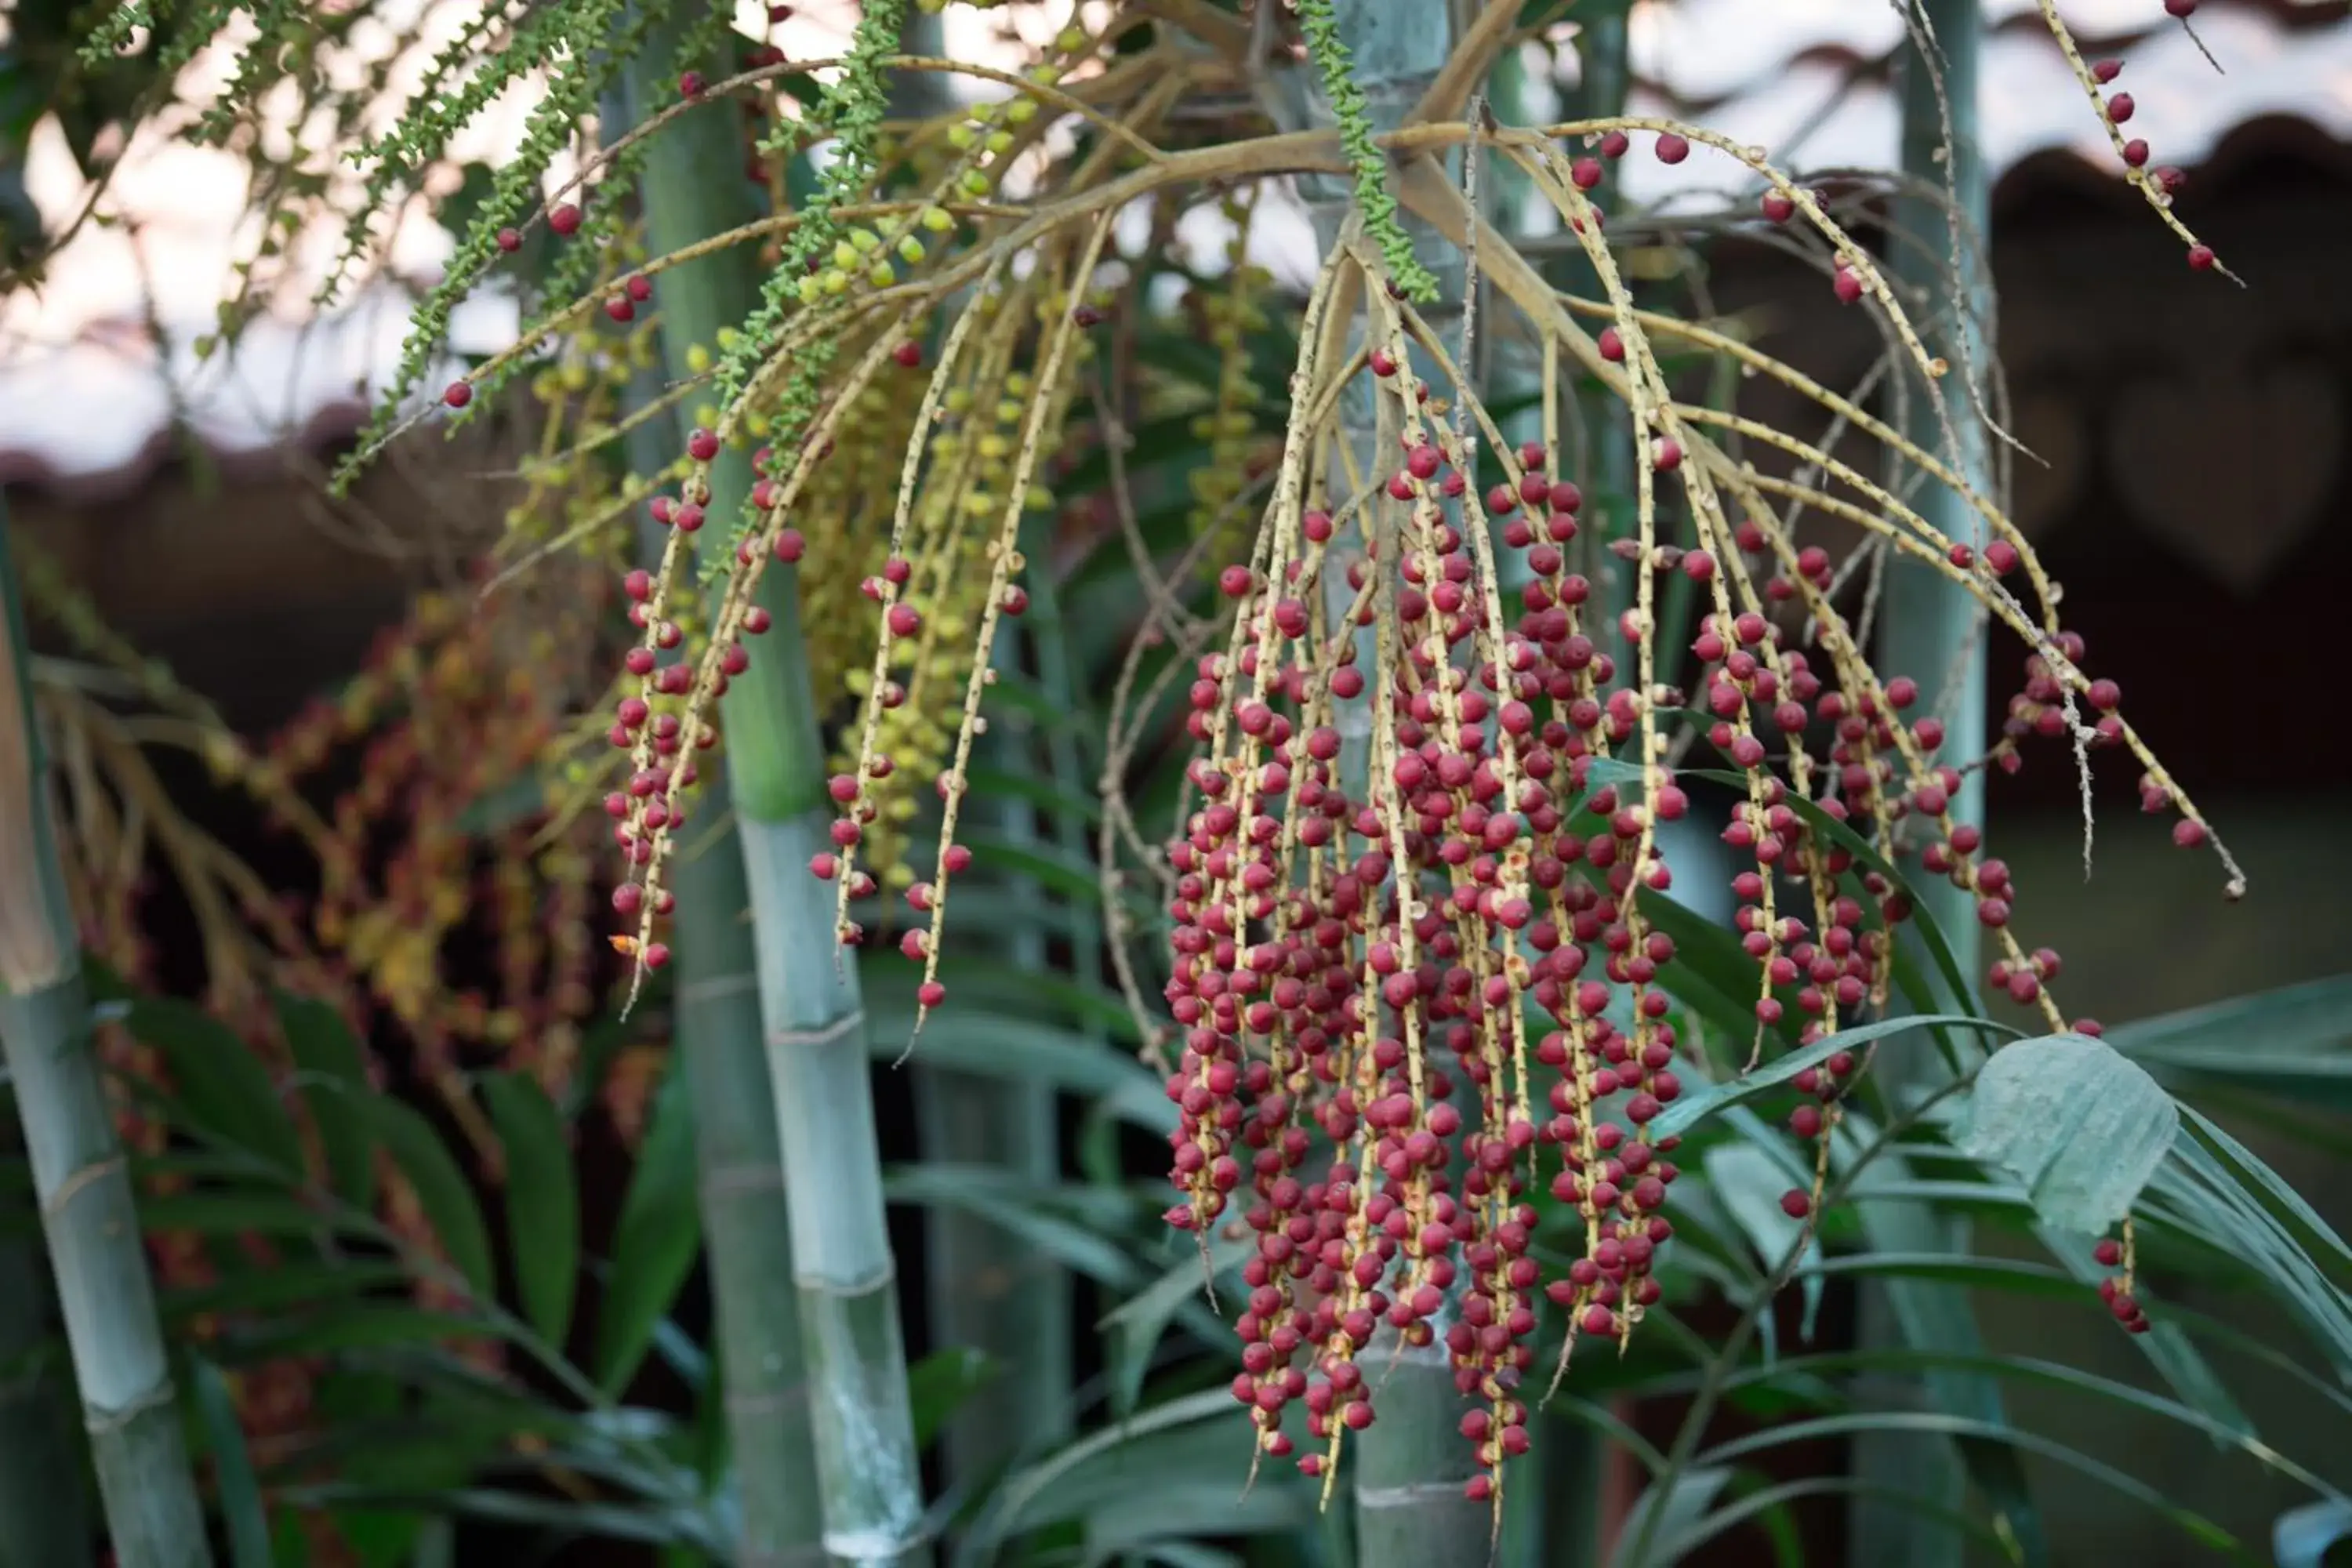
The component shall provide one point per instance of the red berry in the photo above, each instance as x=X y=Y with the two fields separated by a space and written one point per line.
x=2119 y=108
x=2108 y=1253
x=459 y=394
x=1848 y=286
x=657 y=954
x=2200 y=257
x=1778 y=207
x=908 y=353
x=690 y=85
x=2183 y=9
x=905 y=620
x=1672 y=149
x=620 y=309
x=931 y=994
x=2134 y=152
x=790 y=545
x=2107 y=70
x=702 y=445
x=1796 y=1204
x=563 y=218
x=1613 y=143
x=509 y=240
x=1613 y=347
x=2187 y=832
x=1586 y=172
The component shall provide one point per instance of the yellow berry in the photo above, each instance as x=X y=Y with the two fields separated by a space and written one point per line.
x=937 y=220
x=698 y=358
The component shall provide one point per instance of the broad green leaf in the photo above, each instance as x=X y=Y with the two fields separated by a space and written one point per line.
x=281 y=1286
x=1776 y=1498
x=229 y=1213
x=1938 y=1318
x=1867 y=1424
x=2302 y=1536
x=352 y=1326
x=1140 y=1319
x=1000 y=1046
x=2202 y=1193
x=217 y=1082
x=1014 y=1207
x=1692 y=1108
x=655 y=1525
x=442 y=1191
x=2076 y=1123
x=2292 y=1039
x=326 y=1054
x=1066 y=1484
x=238 y=1494
x=1679 y=1506
x=937 y=1385
x=2166 y=1344
x=1748 y=1179
x=2251 y=1165
x=655 y=1240
x=542 y=1202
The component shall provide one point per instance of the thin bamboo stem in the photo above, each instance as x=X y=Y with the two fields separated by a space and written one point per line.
x=43 y=1514
x=89 y=1214
x=846 y=1283
x=721 y=1049
x=1934 y=631
x=1410 y=1464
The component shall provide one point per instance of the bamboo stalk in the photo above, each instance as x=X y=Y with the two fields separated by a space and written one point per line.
x=984 y=1294
x=1553 y=1512
x=1934 y=633
x=44 y=1515
x=747 y=1234
x=1411 y=1462
x=89 y=1215
x=845 y=1279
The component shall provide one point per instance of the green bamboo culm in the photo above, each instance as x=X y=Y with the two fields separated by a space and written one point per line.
x=1934 y=632
x=43 y=1513
x=1375 y=60
x=870 y=1482
x=721 y=1047
x=79 y=1178
x=1551 y=1509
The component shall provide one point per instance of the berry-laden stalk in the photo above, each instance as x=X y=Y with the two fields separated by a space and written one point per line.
x=1412 y=1509
x=88 y=1216
x=40 y=1481
x=845 y=1278
x=721 y=1047
x=1019 y=1319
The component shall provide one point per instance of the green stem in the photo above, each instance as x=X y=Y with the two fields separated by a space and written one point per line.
x=1410 y=1464
x=868 y=1479
x=41 y=1495
x=721 y=1047
x=83 y=1184
x=1551 y=1498
x=1412 y=1461
x=1932 y=633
